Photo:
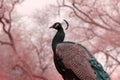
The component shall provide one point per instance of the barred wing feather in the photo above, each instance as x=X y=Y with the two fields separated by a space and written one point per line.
x=76 y=59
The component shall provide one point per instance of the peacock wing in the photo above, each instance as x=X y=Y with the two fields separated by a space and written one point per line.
x=75 y=58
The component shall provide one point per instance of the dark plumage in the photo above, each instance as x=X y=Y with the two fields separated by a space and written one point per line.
x=73 y=61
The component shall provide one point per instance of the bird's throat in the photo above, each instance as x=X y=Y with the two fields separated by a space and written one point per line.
x=58 y=38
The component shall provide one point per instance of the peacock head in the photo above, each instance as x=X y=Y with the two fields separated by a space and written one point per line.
x=58 y=25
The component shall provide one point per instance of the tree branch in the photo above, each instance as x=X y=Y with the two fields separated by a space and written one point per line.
x=5 y=43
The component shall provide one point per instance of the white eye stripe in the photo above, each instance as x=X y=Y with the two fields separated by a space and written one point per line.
x=56 y=25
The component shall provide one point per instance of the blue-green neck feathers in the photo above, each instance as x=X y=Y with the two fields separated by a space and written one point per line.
x=58 y=38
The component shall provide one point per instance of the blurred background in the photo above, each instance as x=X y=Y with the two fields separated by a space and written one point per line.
x=25 y=37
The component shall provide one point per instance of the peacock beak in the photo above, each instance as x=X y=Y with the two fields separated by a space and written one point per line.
x=50 y=27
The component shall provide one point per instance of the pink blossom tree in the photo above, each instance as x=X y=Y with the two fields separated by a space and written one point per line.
x=20 y=58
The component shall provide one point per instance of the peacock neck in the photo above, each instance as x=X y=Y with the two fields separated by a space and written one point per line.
x=58 y=38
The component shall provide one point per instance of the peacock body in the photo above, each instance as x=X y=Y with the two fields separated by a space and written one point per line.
x=73 y=61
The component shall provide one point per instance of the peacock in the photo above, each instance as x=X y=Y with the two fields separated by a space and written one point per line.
x=73 y=61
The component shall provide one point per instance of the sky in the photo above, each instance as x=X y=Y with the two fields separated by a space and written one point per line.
x=29 y=6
